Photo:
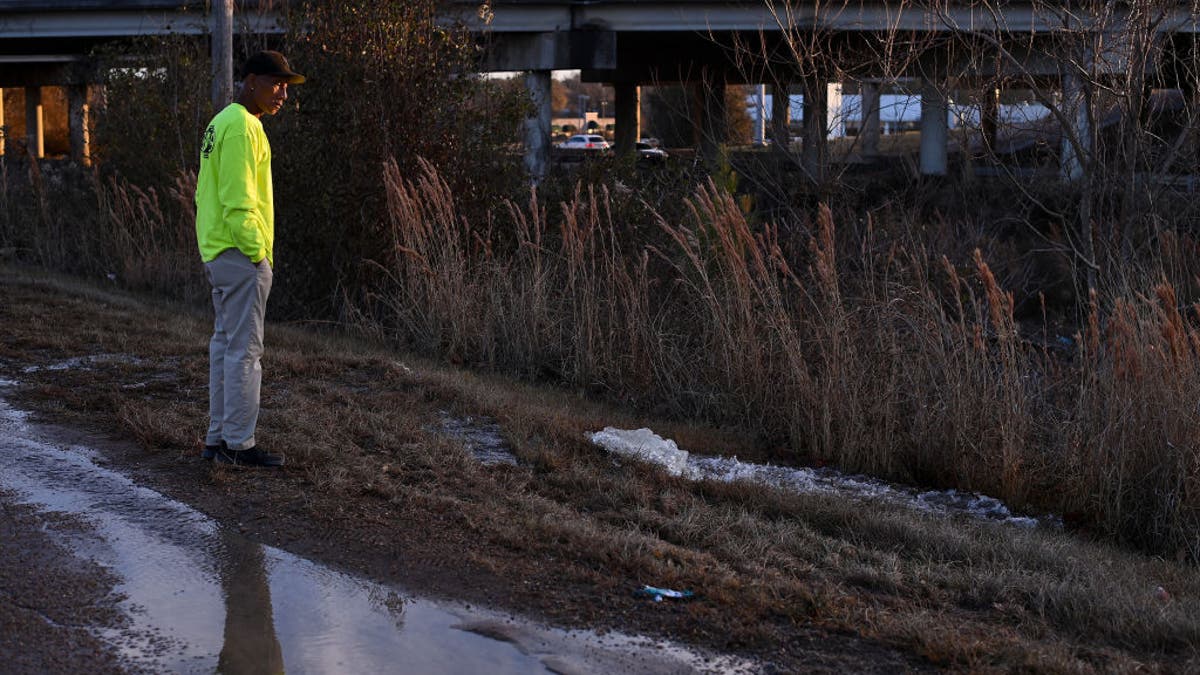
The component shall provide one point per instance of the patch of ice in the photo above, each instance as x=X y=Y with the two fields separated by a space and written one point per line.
x=75 y=363
x=645 y=445
x=85 y=362
x=802 y=479
x=481 y=437
x=980 y=506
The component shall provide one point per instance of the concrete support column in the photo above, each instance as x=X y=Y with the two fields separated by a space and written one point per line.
x=712 y=128
x=628 y=105
x=935 y=129
x=34 y=130
x=537 y=125
x=781 y=117
x=221 y=24
x=760 y=117
x=989 y=118
x=869 y=131
x=1076 y=138
x=78 y=123
x=1189 y=89
x=835 y=122
x=816 y=124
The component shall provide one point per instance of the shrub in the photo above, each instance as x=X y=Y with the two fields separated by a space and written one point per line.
x=384 y=80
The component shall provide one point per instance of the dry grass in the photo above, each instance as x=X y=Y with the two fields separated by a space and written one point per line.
x=151 y=245
x=865 y=349
x=72 y=219
x=356 y=422
x=1133 y=437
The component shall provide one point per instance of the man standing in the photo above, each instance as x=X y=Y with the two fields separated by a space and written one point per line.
x=235 y=230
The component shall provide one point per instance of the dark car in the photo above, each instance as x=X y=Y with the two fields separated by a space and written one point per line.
x=651 y=153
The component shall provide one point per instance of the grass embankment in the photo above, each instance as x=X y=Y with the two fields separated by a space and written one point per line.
x=805 y=581
x=871 y=340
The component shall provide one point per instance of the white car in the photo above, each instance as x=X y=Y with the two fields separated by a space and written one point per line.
x=585 y=142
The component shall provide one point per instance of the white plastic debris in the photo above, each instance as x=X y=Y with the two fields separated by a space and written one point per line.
x=645 y=445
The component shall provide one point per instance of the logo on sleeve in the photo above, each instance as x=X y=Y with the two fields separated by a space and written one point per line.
x=206 y=145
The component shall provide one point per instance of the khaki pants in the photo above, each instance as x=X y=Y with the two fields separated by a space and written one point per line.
x=239 y=294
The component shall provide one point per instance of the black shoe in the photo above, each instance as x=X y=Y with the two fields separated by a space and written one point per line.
x=211 y=451
x=251 y=457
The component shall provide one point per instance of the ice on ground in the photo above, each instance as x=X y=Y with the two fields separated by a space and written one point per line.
x=817 y=480
x=980 y=505
x=481 y=437
x=645 y=445
x=85 y=362
x=76 y=363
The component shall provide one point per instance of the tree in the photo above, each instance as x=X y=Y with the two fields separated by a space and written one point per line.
x=669 y=112
x=559 y=96
x=739 y=124
x=385 y=81
x=572 y=88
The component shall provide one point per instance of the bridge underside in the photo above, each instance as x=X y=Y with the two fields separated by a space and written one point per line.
x=742 y=57
x=936 y=62
x=709 y=44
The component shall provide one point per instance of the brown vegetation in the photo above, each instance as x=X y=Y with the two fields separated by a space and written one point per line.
x=897 y=362
x=907 y=330
x=803 y=581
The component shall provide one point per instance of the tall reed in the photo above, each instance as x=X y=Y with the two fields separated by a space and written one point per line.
x=147 y=241
x=1134 y=430
x=867 y=351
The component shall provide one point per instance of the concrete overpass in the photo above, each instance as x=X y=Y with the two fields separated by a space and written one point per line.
x=707 y=44
x=711 y=43
x=49 y=43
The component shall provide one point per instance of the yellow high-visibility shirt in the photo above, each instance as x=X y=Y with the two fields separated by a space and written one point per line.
x=234 y=199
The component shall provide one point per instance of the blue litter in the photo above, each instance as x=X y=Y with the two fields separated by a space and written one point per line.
x=659 y=593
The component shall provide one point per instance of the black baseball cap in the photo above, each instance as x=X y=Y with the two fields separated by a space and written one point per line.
x=269 y=62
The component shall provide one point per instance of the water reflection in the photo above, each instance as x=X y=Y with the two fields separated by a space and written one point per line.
x=250 y=642
x=279 y=610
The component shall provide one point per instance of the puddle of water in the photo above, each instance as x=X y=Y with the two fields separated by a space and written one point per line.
x=646 y=445
x=202 y=598
x=480 y=436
